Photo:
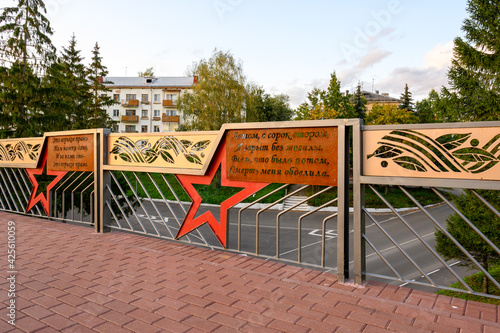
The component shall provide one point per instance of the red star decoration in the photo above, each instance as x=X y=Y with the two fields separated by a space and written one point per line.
x=42 y=197
x=220 y=229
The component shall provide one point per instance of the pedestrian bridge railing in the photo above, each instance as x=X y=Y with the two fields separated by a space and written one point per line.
x=406 y=204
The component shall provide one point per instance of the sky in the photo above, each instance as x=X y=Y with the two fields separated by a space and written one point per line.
x=286 y=46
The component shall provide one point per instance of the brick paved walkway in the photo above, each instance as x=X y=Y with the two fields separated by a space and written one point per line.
x=71 y=279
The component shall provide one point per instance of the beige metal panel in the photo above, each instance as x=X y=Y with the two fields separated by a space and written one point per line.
x=179 y=151
x=20 y=153
x=452 y=153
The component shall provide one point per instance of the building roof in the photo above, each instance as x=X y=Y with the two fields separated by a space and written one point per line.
x=384 y=98
x=155 y=82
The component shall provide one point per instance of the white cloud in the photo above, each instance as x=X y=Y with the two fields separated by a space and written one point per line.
x=420 y=80
x=351 y=76
x=440 y=56
x=371 y=58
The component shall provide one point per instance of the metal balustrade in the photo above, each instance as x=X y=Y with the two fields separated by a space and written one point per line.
x=393 y=245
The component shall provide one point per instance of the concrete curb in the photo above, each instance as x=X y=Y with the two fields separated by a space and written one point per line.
x=279 y=207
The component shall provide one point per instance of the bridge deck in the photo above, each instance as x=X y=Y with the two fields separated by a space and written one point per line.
x=72 y=279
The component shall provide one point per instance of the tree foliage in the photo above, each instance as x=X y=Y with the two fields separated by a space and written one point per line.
x=261 y=106
x=148 y=72
x=69 y=89
x=20 y=99
x=218 y=97
x=97 y=116
x=326 y=104
x=24 y=51
x=26 y=35
x=383 y=114
x=406 y=100
x=359 y=103
x=474 y=75
x=485 y=220
x=474 y=79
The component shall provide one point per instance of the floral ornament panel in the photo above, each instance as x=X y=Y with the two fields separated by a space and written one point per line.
x=20 y=151
x=168 y=151
x=463 y=153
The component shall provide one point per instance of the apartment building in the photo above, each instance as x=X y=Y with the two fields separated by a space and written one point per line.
x=146 y=104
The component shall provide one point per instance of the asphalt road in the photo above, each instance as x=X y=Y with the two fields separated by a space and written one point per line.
x=159 y=218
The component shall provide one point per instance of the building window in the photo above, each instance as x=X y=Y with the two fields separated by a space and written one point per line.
x=156 y=113
x=156 y=128
x=173 y=112
x=144 y=128
x=129 y=128
x=116 y=97
x=171 y=97
x=172 y=127
x=130 y=112
x=116 y=113
x=157 y=98
x=144 y=97
x=116 y=128
x=130 y=97
x=144 y=114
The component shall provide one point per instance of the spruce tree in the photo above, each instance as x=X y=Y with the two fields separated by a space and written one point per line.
x=326 y=104
x=97 y=116
x=482 y=218
x=474 y=79
x=25 y=50
x=474 y=75
x=336 y=104
x=26 y=35
x=79 y=96
x=359 y=103
x=406 y=100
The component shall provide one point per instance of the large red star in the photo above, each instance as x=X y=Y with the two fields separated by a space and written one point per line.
x=42 y=197
x=220 y=229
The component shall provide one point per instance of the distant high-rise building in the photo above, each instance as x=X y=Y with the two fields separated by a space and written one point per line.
x=146 y=104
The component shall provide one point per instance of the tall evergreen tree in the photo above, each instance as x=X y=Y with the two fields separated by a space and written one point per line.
x=79 y=96
x=18 y=83
x=406 y=100
x=97 y=116
x=359 y=103
x=25 y=49
x=474 y=78
x=326 y=104
x=474 y=75
x=26 y=34
x=485 y=220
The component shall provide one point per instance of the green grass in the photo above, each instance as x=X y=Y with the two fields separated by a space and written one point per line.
x=394 y=195
x=215 y=195
x=209 y=193
x=475 y=281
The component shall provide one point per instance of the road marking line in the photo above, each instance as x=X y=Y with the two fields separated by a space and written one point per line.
x=434 y=271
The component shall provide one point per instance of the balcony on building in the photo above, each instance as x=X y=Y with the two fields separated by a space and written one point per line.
x=169 y=119
x=130 y=119
x=156 y=118
x=130 y=102
x=169 y=102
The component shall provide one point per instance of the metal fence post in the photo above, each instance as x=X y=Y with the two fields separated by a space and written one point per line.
x=101 y=179
x=343 y=204
x=358 y=204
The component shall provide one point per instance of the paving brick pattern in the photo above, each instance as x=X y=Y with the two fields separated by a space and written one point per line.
x=70 y=279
